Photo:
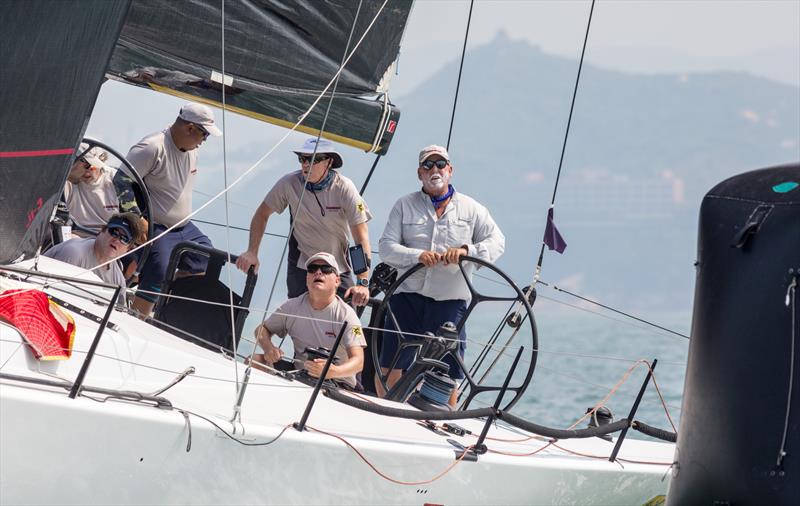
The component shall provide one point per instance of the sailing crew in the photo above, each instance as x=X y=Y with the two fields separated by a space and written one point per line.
x=121 y=233
x=325 y=208
x=314 y=319
x=167 y=162
x=434 y=226
x=90 y=192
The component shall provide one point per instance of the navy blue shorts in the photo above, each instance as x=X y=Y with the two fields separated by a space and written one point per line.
x=154 y=271
x=418 y=314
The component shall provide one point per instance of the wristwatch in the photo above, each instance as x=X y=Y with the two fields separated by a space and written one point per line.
x=362 y=282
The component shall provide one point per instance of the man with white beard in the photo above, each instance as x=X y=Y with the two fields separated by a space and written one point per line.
x=435 y=226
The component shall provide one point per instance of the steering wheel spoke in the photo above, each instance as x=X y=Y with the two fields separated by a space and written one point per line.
x=478 y=376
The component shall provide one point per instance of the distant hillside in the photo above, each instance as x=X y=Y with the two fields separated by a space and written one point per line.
x=642 y=151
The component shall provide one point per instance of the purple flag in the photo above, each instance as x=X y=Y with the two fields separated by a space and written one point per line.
x=552 y=238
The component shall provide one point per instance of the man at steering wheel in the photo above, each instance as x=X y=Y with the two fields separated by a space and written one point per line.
x=435 y=226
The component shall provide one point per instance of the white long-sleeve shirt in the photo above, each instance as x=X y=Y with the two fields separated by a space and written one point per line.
x=413 y=227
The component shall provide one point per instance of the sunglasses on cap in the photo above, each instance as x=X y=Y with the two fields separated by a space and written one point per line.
x=307 y=159
x=120 y=234
x=202 y=130
x=326 y=269
x=429 y=164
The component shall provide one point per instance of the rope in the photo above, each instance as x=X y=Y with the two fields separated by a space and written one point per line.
x=587 y=455
x=384 y=475
x=460 y=68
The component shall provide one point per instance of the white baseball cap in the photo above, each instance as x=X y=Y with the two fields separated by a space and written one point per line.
x=200 y=114
x=93 y=156
x=431 y=150
x=325 y=257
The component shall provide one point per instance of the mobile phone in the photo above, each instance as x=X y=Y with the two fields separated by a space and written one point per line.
x=358 y=259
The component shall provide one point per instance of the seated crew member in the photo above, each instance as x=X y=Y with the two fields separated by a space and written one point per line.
x=314 y=320
x=121 y=233
x=167 y=163
x=435 y=226
x=331 y=209
x=90 y=192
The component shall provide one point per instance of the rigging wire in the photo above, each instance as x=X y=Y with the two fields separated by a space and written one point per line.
x=566 y=136
x=345 y=58
x=460 y=69
x=227 y=206
x=665 y=329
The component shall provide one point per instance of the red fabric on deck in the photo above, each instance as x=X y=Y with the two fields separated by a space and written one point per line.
x=48 y=330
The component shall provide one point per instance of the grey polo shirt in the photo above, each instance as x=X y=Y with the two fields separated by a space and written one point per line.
x=413 y=227
x=310 y=328
x=341 y=204
x=93 y=204
x=169 y=174
x=80 y=252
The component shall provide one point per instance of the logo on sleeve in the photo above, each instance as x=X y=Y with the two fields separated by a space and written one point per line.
x=357 y=331
x=360 y=206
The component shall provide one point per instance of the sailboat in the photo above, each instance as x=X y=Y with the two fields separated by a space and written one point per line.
x=139 y=412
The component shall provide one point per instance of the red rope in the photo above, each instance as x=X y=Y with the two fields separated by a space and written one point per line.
x=383 y=475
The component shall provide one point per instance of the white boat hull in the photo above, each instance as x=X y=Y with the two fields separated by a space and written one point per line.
x=57 y=450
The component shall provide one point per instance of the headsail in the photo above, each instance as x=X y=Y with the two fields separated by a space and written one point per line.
x=278 y=57
x=47 y=93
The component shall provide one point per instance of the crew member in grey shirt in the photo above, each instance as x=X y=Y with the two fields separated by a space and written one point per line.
x=314 y=320
x=167 y=162
x=117 y=237
x=435 y=226
x=330 y=211
x=89 y=192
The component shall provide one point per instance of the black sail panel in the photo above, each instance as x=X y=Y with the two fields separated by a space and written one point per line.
x=278 y=57
x=53 y=57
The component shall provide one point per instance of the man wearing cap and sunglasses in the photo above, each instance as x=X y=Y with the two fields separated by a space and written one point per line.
x=117 y=237
x=325 y=208
x=167 y=162
x=435 y=226
x=313 y=320
x=90 y=192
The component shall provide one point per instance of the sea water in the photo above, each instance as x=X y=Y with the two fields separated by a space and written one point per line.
x=584 y=358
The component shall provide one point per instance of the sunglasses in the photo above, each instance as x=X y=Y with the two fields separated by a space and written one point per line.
x=120 y=235
x=89 y=166
x=307 y=159
x=202 y=131
x=429 y=164
x=326 y=269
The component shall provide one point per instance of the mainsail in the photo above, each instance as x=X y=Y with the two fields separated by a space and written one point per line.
x=48 y=87
x=278 y=57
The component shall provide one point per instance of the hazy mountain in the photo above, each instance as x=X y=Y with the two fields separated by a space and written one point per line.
x=642 y=151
